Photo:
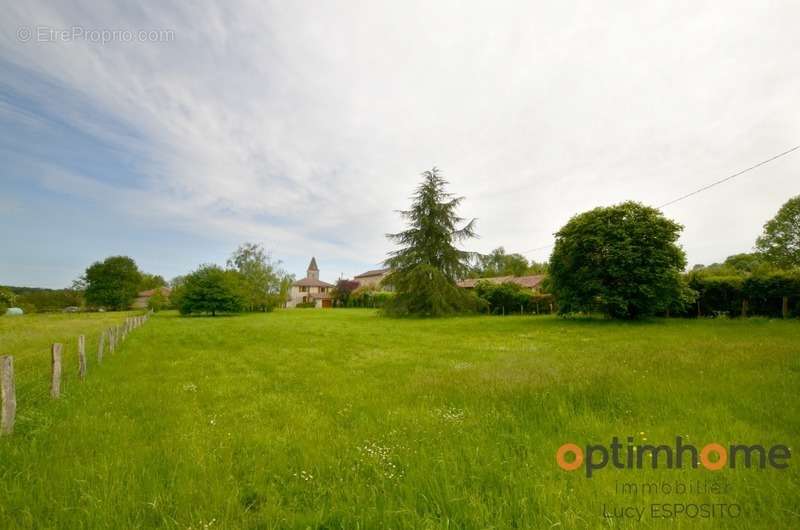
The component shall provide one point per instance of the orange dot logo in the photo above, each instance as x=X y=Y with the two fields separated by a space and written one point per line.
x=569 y=448
x=722 y=457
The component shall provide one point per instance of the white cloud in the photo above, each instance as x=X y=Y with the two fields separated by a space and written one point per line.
x=304 y=124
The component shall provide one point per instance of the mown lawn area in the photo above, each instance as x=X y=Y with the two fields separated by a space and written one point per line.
x=344 y=419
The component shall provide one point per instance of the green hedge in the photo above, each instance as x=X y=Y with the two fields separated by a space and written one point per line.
x=758 y=294
x=368 y=298
x=509 y=297
x=765 y=293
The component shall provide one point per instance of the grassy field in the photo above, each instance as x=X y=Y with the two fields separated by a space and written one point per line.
x=343 y=419
x=28 y=339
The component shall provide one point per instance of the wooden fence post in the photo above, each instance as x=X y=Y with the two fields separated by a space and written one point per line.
x=100 y=345
x=82 y=357
x=8 y=394
x=55 y=382
x=744 y=307
x=785 y=307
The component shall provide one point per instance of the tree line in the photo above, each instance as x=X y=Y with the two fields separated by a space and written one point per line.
x=622 y=261
x=251 y=281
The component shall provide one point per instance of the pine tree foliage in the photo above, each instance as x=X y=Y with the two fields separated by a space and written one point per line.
x=428 y=263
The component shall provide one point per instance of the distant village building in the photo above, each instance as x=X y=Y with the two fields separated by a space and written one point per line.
x=529 y=282
x=310 y=289
x=373 y=279
x=143 y=298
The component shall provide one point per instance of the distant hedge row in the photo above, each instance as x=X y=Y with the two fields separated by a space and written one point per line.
x=368 y=298
x=36 y=300
x=509 y=297
x=774 y=294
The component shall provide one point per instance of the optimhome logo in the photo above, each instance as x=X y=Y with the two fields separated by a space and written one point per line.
x=631 y=456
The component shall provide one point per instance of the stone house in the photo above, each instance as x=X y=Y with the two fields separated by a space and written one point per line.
x=311 y=289
x=374 y=278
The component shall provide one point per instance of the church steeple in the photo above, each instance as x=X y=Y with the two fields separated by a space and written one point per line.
x=313 y=270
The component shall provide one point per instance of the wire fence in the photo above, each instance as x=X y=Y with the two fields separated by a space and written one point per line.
x=25 y=387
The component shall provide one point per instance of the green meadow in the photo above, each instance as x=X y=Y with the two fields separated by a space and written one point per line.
x=342 y=419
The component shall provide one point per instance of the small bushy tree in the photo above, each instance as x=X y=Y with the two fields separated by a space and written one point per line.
x=158 y=301
x=343 y=290
x=780 y=242
x=112 y=283
x=621 y=260
x=507 y=297
x=262 y=278
x=210 y=289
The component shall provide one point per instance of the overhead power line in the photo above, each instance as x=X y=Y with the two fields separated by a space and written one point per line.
x=700 y=190
x=726 y=179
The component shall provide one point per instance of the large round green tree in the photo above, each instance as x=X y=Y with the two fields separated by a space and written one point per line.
x=210 y=289
x=621 y=260
x=428 y=263
x=780 y=242
x=112 y=283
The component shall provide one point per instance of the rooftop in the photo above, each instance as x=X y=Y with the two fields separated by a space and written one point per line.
x=531 y=282
x=311 y=282
x=376 y=272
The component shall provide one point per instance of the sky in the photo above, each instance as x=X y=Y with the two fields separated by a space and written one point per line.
x=174 y=131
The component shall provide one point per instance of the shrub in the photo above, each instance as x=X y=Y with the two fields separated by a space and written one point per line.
x=543 y=303
x=158 y=301
x=369 y=296
x=342 y=292
x=507 y=297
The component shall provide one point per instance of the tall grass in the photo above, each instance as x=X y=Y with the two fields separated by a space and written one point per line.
x=343 y=419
